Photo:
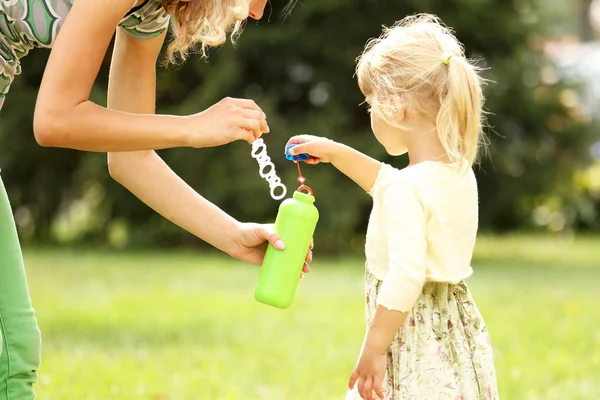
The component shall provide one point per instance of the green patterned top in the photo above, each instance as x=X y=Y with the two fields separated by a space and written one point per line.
x=26 y=24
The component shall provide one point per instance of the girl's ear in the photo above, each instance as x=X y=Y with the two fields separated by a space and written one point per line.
x=403 y=113
x=398 y=107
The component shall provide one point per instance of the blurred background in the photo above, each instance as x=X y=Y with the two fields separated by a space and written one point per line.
x=132 y=306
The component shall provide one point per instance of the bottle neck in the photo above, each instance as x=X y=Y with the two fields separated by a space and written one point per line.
x=304 y=197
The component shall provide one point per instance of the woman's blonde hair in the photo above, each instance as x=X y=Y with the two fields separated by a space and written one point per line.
x=419 y=64
x=205 y=23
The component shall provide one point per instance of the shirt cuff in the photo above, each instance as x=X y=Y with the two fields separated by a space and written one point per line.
x=400 y=292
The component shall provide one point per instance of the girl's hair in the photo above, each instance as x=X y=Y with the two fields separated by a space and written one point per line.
x=418 y=63
x=205 y=23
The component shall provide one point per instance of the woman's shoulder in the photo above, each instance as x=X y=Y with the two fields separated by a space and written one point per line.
x=147 y=20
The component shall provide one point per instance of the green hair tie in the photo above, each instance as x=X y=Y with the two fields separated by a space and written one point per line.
x=446 y=59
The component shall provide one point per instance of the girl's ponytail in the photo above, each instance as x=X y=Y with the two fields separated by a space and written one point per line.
x=459 y=120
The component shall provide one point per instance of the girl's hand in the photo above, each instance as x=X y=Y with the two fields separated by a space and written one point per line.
x=227 y=121
x=369 y=374
x=319 y=149
x=252 y=240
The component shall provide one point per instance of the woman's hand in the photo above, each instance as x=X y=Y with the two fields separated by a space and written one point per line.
x=318 y=148
x=252 y=241
x=227 y=121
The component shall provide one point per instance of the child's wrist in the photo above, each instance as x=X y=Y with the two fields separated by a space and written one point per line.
x=333 y=150
x=375 y=343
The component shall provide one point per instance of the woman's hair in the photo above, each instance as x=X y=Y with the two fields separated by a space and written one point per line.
x=418 y=64
x=205 y=23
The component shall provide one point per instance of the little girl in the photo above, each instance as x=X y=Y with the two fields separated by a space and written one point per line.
x=426 y=338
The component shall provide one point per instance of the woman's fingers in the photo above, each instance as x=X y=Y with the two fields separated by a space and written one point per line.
x=258 y=116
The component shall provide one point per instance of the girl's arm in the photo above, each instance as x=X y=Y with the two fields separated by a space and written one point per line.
x=357 y=166
x=370 y=370
x=384 y=326
x=406 y=243
x=404 y=228
x=64 y=116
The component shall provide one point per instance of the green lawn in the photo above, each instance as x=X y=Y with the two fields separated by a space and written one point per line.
x=161 y=326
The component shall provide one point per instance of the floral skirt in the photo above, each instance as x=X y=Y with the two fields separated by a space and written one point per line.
x=442 y=351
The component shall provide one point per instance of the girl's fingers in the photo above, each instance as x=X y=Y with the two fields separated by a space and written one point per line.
x=300 y=139
x=361 y=387
x=377 y=387
x=353 y=378
x=368 y=389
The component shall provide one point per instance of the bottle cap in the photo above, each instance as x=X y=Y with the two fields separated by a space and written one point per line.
x=297 y=157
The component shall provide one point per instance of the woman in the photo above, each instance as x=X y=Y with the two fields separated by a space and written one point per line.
x=127 y=129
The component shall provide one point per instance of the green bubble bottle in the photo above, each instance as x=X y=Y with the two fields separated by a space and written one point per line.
x=281 y=269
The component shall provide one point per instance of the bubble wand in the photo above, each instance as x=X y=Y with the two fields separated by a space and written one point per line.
x=297 y=159
x=259 y=152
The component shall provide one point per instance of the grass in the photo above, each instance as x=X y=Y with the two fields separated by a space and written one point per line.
x=164 y=326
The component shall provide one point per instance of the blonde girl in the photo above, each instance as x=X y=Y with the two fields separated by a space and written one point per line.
x=79 y=33
x=426 y=339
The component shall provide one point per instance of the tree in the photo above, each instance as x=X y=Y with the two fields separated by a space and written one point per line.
x=301 y=72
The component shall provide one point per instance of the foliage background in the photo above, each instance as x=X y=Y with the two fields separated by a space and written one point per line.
x=539 y=174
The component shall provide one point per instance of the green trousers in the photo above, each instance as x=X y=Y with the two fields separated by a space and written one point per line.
x=20 y=340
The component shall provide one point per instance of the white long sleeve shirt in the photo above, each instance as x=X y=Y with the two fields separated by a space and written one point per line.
x=422 y=228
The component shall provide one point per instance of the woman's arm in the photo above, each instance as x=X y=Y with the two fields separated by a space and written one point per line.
x=132 y=87
x=64 y=116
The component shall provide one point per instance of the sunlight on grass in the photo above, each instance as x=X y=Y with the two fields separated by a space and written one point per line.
x=559 y=251
x=166 y=325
